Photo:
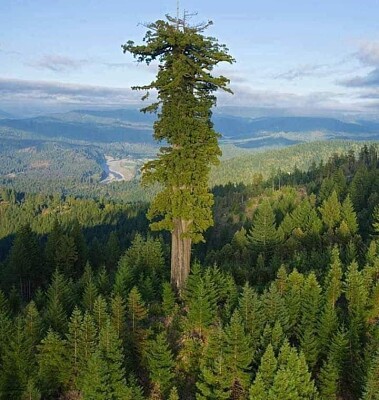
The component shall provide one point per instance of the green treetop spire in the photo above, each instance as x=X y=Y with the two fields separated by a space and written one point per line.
x=185 y=86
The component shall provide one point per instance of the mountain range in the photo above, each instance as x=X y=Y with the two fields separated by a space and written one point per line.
x=130 y=125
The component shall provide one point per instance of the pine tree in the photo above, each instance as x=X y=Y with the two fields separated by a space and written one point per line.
x=100 y=312
x=73 y=345
x=113 y=251
x=328 y=380
x=17 y=362
x=185 y=89
x=357 y=297
x=264 y=234
x=58 y=298
x=331 y=211
x=310 y=308
x=160 y=363
x=168 y=300
x=293 y=300
x=213 y=378
x=250 y=309
x=105 y=375
x=136 y=319
x=118 y=314
x=53 y=364
x=201 y=304
x=267 y=369
x=238 y=355
x=372 y=385
x=349 y=216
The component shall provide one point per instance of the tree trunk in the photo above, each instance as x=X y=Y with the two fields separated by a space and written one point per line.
x=180 y=254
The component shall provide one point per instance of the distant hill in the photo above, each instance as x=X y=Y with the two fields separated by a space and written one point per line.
x=87 y=126
x=245 y=167
x=130 y=125
x=4 y=115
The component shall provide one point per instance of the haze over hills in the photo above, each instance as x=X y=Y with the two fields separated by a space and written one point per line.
x=130 y=125
x=4 y=115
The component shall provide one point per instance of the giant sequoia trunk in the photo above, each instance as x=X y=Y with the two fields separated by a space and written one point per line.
x=180 y=254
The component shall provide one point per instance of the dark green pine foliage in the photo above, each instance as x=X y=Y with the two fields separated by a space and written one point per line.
x=118 y=316
x=349 y=216
x=310 y=307
x=105 y=375
x=113 y=251
x=161 y=364
x=90 y=292
x=238 y=356
x=293 y=301
x=372 y=385
x=275 y=308
x=200 y=297
x=17 y=362
x=328 y=323
x=53 y=365
x=86 y=344
x=81 y=249
x=52 y=244
x=58 y=303
x=66 y=256
x=142 y=266
x=332 y=373
x=265 y=375
x=169 y=304
x=136 y=313
x=100 y=312
x=32 y=323
x=357 y=297
x=25 y=263
x=212 y=383
x=251 y=312
x=73 y=344
x=264 y=235
x=292 y=380
x=328 y=378
x=185 y=89
x=286 y=377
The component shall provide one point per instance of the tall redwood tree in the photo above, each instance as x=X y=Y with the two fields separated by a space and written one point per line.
x=184 y=85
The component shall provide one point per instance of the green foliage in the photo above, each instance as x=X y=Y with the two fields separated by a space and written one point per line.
x=105 y=376
x=185 y=89
x=264 y=234
x=53 y=364
x=160 y=363
x=238 y=356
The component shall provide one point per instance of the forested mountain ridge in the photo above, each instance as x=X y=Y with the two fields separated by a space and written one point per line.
x=129 y=125
x=283 y=302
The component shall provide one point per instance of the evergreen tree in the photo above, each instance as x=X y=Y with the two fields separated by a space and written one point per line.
x=238 y=355
x=53 y=365
x=213 y=378
x=250 y=309
x=118 y=314
x=372 y=385
x=100 y=312
x=58 y=301
x=168 y=300
x=349 y=216
x=160 y=364
x=309 y=343
x=264 y=234
x=331 y=211
x=105 y=375
x=185 y=89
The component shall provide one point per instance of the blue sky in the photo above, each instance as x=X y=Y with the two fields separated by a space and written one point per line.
x=293 y=57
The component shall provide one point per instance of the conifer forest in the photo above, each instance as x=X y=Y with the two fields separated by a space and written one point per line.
x=262 y=289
